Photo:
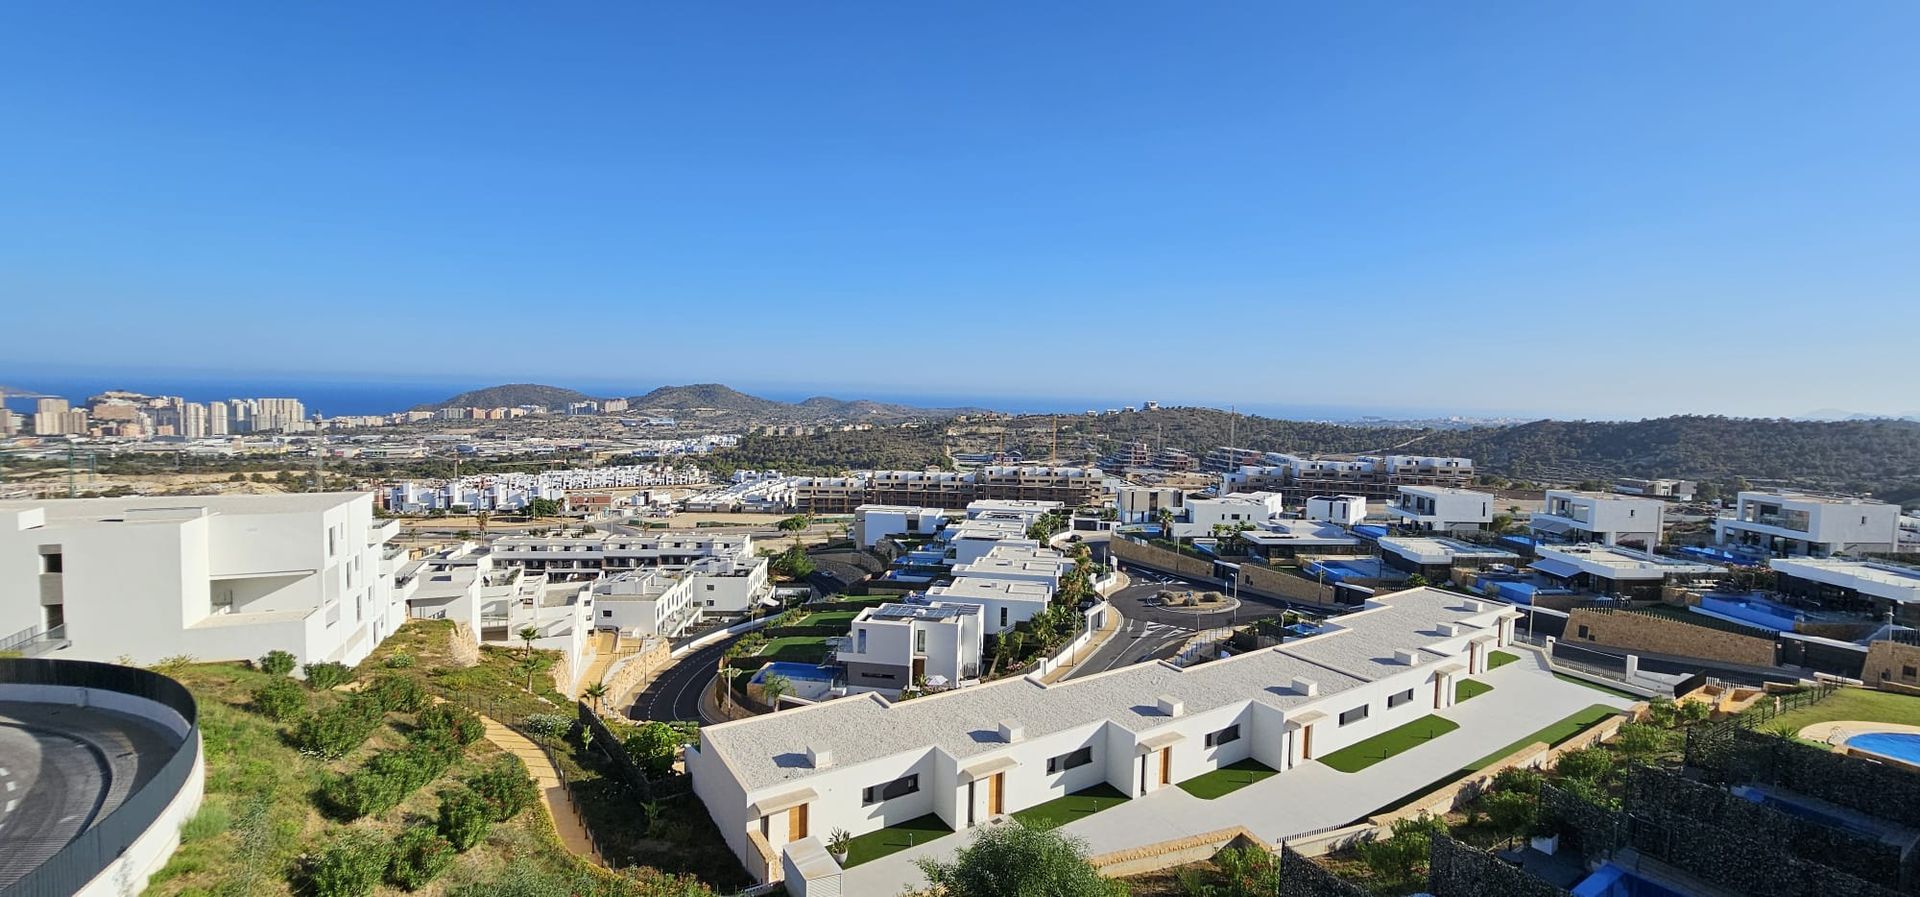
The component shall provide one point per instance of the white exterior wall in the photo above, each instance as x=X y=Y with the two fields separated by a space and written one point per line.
x=1451 y=508
x=1346 y=510
x=1607 y=519
x=1833 y=526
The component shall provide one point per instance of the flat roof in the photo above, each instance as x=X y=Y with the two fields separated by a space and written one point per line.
x=84 y=510
x=1300 y=532
x=981 y=586
x=1615 y=562
x=1435 y=550
x=1891 y=581
x=767 y=751
x=939 y=611
x=1444 y=490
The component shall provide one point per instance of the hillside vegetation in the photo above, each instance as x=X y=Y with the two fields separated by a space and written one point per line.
x=512 y=395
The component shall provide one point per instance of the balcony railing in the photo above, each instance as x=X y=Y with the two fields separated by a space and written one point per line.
x=35 y=640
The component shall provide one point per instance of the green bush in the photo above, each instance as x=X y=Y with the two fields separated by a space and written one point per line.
x=324 y=676
x=1518 y=779
x=505 y=788
x=396 y=693
x=280 y=700
x=548 y=725
x=1586 y=765
x=419 y=856
x=335 y=731
x=387 y=778
x=458 y=724
x=1511 y=813
x=277 y=663
x=400 y=662
x=653 y=746
x=351 y=867
x=1400 y=855
x=463 y=818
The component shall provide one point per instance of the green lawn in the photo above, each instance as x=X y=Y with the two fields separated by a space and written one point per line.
x=840 y=618
x=1227 y=779
x=1554 y=734
x=1468 y=688
x=792 y=648
x=1062 y=810
x=1356 y=757
x=1852 y=703
x=1499 y=659
x=895 y=838
x=1598 y=687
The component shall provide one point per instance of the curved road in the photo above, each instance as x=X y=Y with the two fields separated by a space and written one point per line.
x=1156 y=633
x=61 y=769
x=675 y=693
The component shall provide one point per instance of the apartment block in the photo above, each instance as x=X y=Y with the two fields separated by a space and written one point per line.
x=217 y=577
x=873 y=524
x=1609 y=519
x=645 y=602
x=1071 y=486
x=1440 y=508
x=1786 y=524
x=729 y=576
x=777 y=785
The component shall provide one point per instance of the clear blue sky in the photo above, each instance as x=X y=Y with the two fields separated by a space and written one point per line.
x=1602 y=209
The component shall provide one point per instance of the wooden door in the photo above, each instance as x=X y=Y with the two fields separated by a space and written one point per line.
x=1306 y=744
x=797 y=823
x=1166 y=766
x=1436 y=690
x=995 y=791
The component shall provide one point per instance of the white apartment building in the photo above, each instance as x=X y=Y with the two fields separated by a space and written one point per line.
x=1027 y=511
x=1236 y=510
x=216 y=577
x=1142 y=504
x=895 y=646
x=1440 y=508
x=1006 y=602
x=645 y=602
x=731 y=576
x=1345 y=510
x=873 y=524
x=1571 y=516
x=781 y=783
x=1791 y=524
x=1023 y=561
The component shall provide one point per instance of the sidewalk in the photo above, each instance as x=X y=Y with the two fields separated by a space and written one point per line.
x=1115 y=623
x=553 y=792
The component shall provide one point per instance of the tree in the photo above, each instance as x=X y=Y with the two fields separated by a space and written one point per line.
x=1164 y=517
x=277 y=663
x=528 y=634
x=1013 y=859
x=480 y=519
x=793 y=563
x=654 y=746
x=595 y=692
x=774 y=686
x=1416 y=581
x=1400 y=855
x=543 y=507
x=1586 y=764
x=1511 y=813
x=796 y=523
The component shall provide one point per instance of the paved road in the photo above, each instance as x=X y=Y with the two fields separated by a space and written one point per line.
x=674 y=694
x=1156 y=633
x=61 y=769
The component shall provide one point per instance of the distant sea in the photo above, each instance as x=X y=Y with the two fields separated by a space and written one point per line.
x=331 y=397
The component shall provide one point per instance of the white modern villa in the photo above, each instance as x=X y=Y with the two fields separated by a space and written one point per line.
x=1791 y=524
x=217 y=577
x=1440 y=508
x=1607 y=518
x=777 y=785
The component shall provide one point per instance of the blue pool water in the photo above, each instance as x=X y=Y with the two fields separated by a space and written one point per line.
x=1612 y=881
x=1753 y=610
x=1370 y=531
x=1340 y=571
x=794 y=672
x=1889 y=744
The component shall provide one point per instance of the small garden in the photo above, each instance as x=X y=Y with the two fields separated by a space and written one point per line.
x=1227 y=779
x=1394 y=741
x=1062 y=810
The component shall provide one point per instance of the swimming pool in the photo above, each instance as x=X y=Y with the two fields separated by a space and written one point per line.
x=1897 y=745
x=1612 y=881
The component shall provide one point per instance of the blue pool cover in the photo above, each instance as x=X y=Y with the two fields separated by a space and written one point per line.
x=1897 y=745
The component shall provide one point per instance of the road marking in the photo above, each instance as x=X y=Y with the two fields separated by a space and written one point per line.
x=11 y=785
x=11 y=803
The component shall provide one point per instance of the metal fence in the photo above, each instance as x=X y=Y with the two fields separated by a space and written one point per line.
x=89 y=853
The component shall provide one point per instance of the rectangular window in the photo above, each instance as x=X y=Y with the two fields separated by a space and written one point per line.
x=920 y=641
x=862 y=649
x=53 y=563
x=330 y=540
x=1065 y=762
x=1227 y=735
x=1586 y=633
x=606 y=613
x=873 y=794
x=1908 y=672
x=1401 y=698
x=1003 y=618
x=1355 y=715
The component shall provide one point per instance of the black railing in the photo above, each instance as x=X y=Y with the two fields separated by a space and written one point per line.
x=92 y=851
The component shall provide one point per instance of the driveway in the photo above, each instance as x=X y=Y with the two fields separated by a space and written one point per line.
x=1309 y=798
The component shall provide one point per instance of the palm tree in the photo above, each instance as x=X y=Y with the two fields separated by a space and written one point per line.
x=528 y=634
x=774 y=686
x=480 y=518
x=595 y=692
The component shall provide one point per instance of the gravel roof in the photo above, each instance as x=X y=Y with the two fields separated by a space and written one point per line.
x=769 y=750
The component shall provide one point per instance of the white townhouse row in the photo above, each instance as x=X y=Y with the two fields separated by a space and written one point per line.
x=782 y=782
x=731 y=577
x=1793 y=524
x=513 y=491
x=215 y=577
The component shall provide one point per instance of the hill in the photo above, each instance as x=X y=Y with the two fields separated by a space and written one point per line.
x=715 y=397
x=511 y=395
x=706 y=395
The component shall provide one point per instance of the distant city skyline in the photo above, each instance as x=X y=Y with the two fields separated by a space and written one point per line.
x=1503 y=209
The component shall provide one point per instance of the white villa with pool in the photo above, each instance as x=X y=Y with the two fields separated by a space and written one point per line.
x=777 y=785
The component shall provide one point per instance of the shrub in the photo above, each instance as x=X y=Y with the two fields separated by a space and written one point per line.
x=419 y=856
x=463 y=818
x=653 y=746
x=324 y=676
x=548 y=725
x=505 y=788
x=334 y=732
x=387 y=778
x=352 y=867
x=1401 y=854
x=457 y=724
x=400 y=662
x=1518 y=779
x=172 y=664
x=280 y=700
x=396 y=693
x=277 y=663
x=1511 y=813
x=1586 y=765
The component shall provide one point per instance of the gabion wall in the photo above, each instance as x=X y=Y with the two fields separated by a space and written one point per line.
x=1302 y=877
x=1457 y=870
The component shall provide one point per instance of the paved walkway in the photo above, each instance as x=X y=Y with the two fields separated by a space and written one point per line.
x=1309 y=798
x=553 y=792
x=1114 y=623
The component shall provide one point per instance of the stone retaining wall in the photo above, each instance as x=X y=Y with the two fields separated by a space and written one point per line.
x=1640 y=632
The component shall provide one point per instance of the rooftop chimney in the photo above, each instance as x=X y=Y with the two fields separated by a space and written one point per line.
x=1410 y=658
x=1306 y=687
x=819 y=758
x=1170 y=706
x=1012 y=732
